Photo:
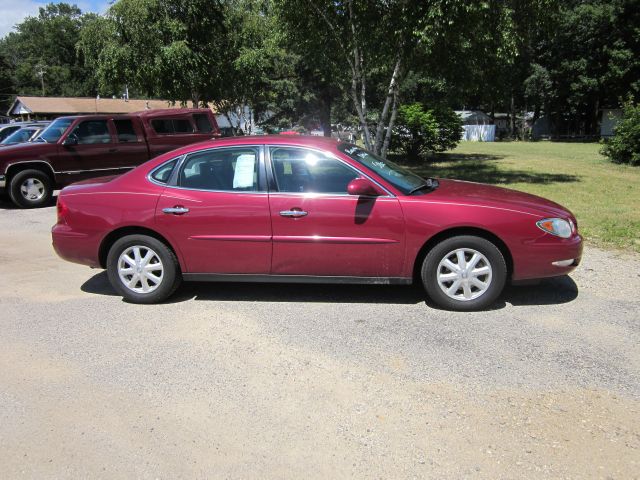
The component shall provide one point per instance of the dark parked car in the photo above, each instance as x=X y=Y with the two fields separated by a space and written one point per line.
x=24 y=134
x=81 y=147
x=7 y=129
x=308 y=209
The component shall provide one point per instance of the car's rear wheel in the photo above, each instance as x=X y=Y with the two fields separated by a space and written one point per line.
x=31 y=189
x=464 y=273
x=143 y=269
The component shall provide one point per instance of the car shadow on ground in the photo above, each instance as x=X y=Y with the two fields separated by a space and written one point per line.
x=482 y=168
x=549 y=292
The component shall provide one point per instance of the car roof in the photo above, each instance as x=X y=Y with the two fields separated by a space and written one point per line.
x=165 y=112
x=301 y=140
x=309 y=141
x=34 y=123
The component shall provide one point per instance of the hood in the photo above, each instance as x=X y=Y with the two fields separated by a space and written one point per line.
x=18 y=151
x=482 y=194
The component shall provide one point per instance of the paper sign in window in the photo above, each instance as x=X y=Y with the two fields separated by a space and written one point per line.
x=243 y=174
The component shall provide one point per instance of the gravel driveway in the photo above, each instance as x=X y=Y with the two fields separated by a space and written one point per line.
x=300 y=381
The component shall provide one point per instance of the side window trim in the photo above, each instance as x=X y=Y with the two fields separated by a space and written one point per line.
x=262 y=180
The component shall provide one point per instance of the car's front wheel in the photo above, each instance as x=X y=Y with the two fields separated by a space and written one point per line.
x=464 y=273
x=31 y=189
x=143 y=269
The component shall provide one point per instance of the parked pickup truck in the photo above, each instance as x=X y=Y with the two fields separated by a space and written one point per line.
x=80 y=147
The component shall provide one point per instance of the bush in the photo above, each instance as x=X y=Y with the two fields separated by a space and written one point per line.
x=420 y=131
x=624 y=146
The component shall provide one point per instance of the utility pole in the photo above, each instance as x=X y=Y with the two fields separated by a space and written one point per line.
x=40 y=69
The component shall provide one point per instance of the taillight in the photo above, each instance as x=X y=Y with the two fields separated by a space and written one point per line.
x=63 y=210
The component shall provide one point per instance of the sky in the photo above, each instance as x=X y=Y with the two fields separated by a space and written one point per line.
x=14 y=11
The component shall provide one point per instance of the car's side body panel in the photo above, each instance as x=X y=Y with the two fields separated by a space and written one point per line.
x=222 y=232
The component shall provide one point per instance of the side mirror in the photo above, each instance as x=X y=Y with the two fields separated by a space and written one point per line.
x=363 y=187
x=72 y=139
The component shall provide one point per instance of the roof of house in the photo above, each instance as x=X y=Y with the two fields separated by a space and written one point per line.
x=24 y=105
x=472 y=116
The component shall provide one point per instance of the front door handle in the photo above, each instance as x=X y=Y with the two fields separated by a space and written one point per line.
x=293 y=213
x=176 y=210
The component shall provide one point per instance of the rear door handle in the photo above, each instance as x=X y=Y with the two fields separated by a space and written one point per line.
x=113 y=150
x=293 y=213
x=175 y=210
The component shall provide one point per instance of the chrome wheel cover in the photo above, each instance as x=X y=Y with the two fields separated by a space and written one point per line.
x=32 y=189
x=140 y=269
x=464 y=274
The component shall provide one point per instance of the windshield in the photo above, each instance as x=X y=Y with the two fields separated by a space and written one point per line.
x=404 y=180
x=19 y=136
x=53 y=132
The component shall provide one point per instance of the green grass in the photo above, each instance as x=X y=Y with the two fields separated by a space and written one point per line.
x=605 y=197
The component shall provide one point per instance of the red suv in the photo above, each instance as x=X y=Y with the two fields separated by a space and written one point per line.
x=308 y=209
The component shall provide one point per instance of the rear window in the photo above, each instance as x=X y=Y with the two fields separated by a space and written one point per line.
x=171 y=126
x=125 y=131
x=162 y=174
x=202 y=123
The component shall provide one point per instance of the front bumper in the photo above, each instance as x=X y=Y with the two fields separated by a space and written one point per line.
x=547 y=257
x=3 y=181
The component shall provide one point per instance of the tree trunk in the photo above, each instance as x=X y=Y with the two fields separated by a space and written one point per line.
x=512 y=129
x=325 y=115
x=387 y=103
x=233 y=129
x=357 y=77
x=392 y=121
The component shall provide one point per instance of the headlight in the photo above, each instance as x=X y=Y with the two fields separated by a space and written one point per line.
x=556 y=226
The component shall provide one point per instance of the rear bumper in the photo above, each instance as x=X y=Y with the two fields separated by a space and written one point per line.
x=547 y=257
x=3 y=181
x=74 y=246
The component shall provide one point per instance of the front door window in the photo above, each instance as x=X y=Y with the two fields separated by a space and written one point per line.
x=303 y=171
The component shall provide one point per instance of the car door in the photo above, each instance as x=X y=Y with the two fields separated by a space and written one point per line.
x=87 y=151
x=321 y=230
x=216 y=211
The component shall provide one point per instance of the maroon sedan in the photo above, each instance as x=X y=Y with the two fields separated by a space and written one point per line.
x=302 y=209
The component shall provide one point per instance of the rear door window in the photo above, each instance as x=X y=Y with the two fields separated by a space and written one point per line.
x=125 y=131
x=228 y=169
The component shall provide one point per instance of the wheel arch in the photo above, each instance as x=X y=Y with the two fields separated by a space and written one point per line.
x=112 y=237
x=457 y=231
x=41 y=165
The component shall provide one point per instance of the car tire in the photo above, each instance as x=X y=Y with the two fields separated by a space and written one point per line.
x=453 y=283
x=31 y=189
x=143 y=269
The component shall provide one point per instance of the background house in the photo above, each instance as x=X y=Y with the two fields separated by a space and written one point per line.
x=477 y=126
x=47 y=108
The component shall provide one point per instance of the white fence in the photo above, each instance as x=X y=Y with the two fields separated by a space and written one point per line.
x=479 y=133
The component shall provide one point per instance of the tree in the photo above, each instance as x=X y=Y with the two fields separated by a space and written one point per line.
x=167 y=48
x=624 y=147
x=41 y=55
x=420 y=131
